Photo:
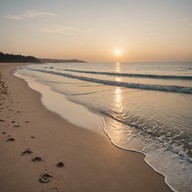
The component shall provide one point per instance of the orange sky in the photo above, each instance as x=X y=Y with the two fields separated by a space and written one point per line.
x=144 y=30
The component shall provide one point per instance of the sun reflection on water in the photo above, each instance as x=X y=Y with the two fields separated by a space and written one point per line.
x=118 y=99
x=118 y=70
x=119 y=132
x=115 y=128
x=118 y=67
x=118 y=91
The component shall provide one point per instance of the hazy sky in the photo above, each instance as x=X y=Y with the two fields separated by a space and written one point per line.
x=144 y=30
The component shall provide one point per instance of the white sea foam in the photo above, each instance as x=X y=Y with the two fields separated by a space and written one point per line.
x=177 y=171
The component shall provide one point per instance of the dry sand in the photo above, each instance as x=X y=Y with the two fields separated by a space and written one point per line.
x=91 y=162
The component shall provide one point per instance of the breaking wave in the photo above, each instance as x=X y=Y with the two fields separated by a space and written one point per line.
x=165 y=88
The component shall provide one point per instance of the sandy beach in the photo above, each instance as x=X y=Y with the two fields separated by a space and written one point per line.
x=34 y=140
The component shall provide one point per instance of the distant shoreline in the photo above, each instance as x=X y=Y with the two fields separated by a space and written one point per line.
x=46 y=60
x=11 y=58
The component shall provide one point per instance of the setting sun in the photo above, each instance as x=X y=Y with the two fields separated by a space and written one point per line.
x=118 y=52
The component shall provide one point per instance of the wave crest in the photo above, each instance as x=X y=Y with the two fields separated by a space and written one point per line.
x=165 y=88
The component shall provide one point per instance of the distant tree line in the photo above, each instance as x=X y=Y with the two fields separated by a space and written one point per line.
x=8 y=58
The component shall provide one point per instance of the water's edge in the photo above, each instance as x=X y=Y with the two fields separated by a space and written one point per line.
x=76 y=112
x=137 y=151
x=99 y=118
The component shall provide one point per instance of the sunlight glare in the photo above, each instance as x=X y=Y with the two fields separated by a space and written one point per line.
x=118 y=52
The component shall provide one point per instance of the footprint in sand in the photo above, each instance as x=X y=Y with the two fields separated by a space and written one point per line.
x=45 y=177
x=3 y=133
x=26 y=152
x=60 y=164
x=16 y=126
x=54 y=189
x=10 y=139
x=37 y=159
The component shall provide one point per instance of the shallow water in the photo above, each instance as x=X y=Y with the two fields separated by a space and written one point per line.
x=146 y=107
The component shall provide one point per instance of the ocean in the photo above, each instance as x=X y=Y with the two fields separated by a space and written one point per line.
x=145 y=107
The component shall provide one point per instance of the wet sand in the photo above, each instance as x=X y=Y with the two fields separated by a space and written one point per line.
x=40 y=151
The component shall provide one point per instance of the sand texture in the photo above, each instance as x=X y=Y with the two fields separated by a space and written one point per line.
x=41 y=152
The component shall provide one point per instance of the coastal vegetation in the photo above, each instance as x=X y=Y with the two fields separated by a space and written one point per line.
x=10 y=58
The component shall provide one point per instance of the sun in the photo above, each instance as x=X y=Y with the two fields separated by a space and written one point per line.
x=118 y=52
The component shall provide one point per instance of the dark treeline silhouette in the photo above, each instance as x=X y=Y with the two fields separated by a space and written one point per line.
x=10 y=58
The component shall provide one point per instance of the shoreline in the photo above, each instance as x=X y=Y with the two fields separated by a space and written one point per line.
x=91 y=162
x=54 y=101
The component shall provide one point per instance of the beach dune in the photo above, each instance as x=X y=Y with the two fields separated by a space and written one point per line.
x=40 y=151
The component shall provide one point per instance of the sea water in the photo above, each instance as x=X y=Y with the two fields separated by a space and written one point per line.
x=146 y=107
